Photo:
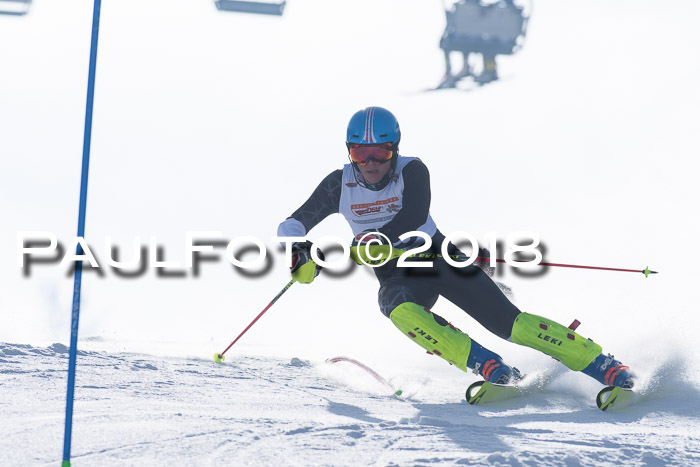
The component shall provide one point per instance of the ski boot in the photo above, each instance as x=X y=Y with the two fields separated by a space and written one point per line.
x=610 y=372
x=448 y=81
x=489 y=73
x=490 y=366
x=438 y=337
x=486 y=76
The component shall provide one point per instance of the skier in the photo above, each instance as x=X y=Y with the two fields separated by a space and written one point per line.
x=489 y=71
x=381 y=192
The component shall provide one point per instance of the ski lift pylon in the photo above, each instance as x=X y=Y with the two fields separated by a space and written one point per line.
x=14 y=7
x=261 y=8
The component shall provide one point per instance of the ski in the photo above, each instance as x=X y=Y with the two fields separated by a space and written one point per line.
x=371 y=372
x=483 y=391
x=465 y=83
x=613 y=396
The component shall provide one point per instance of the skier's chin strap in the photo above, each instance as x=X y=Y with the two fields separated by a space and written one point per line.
x=372 y=186
x=570 y=348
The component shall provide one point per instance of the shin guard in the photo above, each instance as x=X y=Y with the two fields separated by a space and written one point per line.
x=573 y=350
x=432 y=333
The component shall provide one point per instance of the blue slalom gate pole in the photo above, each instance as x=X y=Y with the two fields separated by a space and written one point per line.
x=75 y=312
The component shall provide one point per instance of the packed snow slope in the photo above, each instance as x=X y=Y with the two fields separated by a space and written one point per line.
x=206 y=121
x=139 y=409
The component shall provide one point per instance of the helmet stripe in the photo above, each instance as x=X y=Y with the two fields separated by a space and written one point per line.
x=369 y=126
x=372 y=125
x=364 y=136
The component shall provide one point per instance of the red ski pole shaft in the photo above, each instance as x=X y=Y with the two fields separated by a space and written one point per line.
x=219 y=357
x=645 y=271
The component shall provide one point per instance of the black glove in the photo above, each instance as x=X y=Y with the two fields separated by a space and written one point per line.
x=484 y=265
x=303 y=268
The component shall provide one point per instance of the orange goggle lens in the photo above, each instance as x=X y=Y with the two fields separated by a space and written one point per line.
x=361 y=154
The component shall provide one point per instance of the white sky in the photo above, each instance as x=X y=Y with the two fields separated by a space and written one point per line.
x=207 y=120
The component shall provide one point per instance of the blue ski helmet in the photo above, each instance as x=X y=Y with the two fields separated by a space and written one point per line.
x=373 y=125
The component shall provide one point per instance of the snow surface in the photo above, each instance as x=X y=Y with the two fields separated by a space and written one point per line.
x=146 y=410
x=207 y=121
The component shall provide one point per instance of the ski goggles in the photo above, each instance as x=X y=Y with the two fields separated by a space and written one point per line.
x=361 y=154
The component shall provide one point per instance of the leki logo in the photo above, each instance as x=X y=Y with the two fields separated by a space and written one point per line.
x=549 y=339
x=423 y=334
x=377 y=207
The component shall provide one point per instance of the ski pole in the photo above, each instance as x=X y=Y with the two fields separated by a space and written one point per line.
x=219 y=357
x=646 y=271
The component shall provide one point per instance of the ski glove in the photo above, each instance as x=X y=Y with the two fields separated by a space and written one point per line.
x=303 y=268
x=371 y=248
x=485 y=265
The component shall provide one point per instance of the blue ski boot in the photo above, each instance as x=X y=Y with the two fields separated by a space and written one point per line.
x=610 y=372
x=491 y=366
